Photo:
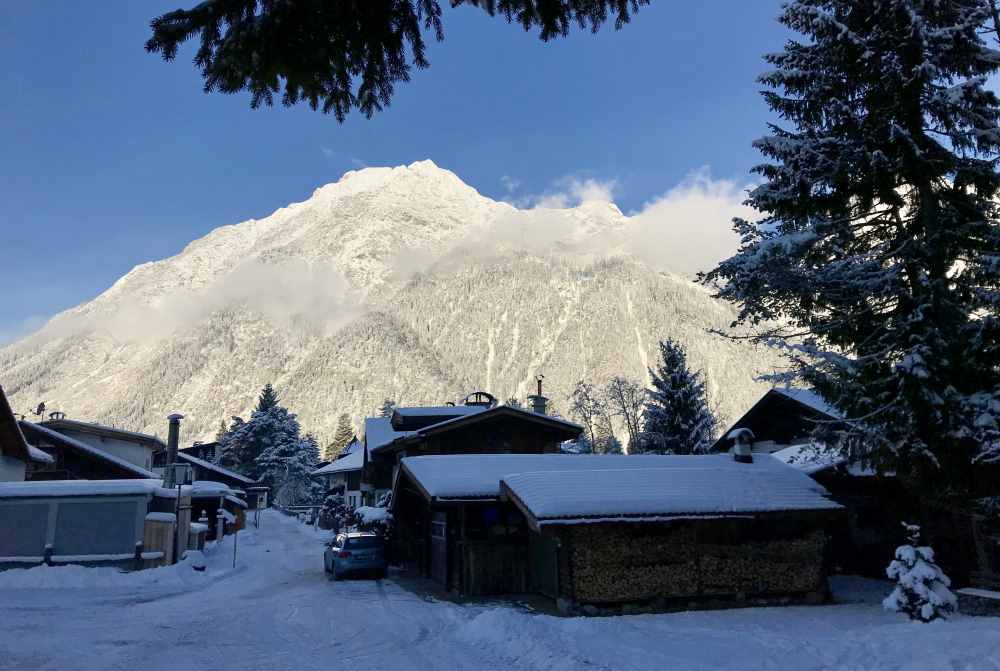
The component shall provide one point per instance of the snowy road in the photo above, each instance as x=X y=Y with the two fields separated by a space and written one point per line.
x=279 y=611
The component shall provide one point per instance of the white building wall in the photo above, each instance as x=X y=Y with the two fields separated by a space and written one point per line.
x=11 y=469
x=133 y=453
x=352 y=497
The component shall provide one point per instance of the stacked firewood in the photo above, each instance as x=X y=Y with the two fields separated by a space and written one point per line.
x=612 y=563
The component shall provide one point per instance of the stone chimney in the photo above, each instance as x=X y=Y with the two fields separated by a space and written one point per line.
x=742 y=445
x=539 y=403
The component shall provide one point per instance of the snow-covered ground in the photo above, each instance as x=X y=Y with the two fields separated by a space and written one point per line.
x=277 y=610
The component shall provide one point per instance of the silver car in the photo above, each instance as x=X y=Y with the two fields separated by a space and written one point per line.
x=355 y=552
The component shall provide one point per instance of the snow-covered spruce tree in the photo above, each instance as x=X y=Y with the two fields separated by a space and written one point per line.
x=342 y=437
x=875 y=263
x=387 y=408
x=676 y=417
x=268 y=398
x=921 y=587
x=286 y=464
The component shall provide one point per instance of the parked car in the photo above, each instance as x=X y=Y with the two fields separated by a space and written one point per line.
x=355 y=552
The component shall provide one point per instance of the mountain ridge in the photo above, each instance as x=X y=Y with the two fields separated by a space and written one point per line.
x=392 y=282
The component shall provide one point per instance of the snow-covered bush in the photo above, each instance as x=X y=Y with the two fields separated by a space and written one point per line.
x=335 y=513
x=921 y=586
x=372 y=518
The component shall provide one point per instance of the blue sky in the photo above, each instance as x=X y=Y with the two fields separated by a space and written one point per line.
x=110 y=157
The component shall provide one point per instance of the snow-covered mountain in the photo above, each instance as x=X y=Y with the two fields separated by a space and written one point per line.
x=392 y=282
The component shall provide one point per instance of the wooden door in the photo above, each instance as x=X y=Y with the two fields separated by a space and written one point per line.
x=439 y=548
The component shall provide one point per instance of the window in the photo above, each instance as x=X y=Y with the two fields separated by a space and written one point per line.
x=438 y=529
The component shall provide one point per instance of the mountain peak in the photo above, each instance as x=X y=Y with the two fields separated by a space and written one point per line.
x=420 y=176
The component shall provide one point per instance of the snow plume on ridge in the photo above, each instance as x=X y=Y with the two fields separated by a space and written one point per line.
x=685 y=230
x=689 y=228
x=292 y=293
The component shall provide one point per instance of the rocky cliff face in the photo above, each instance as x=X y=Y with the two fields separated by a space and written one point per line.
x=392 y=282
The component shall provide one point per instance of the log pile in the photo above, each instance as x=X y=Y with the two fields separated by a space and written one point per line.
x=639 y=562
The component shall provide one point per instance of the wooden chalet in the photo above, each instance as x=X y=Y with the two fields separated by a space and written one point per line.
x=967 y=544
x=783 y=417
x=477 y=427
x=612 y=533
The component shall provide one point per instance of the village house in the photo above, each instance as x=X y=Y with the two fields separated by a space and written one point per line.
x=478 y=426
x=345 y=472
x=615 y=532
x=134 y=447
x=17 y=456
x=73 y=459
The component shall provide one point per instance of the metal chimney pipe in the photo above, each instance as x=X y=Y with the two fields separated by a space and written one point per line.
x=539 y=403
x=173 y=437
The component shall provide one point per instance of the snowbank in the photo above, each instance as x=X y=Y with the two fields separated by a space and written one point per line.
x=178 y=577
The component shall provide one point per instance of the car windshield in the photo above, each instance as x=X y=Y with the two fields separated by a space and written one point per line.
x=363 y=543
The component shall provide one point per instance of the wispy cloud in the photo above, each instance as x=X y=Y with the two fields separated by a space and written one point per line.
x=21 y=328
x=329 y=153
x=565 y=192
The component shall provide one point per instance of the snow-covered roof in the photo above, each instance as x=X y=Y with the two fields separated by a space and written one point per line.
x=676 y=489
x=207 y=465
x=499 y=410
x=38 y=455
x=812 y=459
x=439 y=410
x=808 y=458
x=379 y=432
x=90 y=449
x=556 y=486
x=353 y=461
x=49 y=488
x=456 y=476
x=809 y=398
x=205 y=488
x=94 y=428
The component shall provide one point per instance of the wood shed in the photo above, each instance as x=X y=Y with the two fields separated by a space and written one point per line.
x=614 y=533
